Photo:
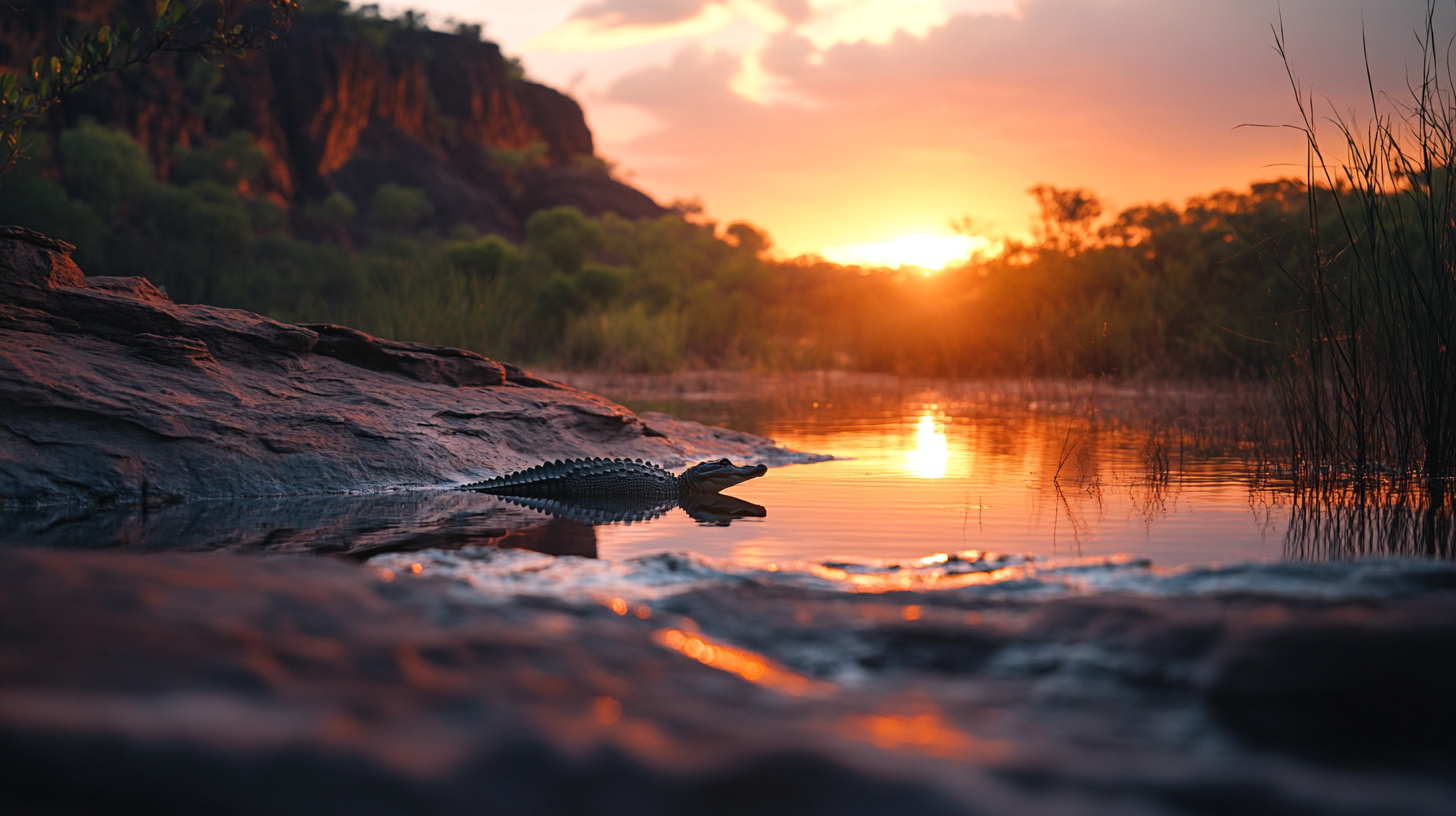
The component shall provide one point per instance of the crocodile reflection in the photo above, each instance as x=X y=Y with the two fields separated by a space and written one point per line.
x=713 y=509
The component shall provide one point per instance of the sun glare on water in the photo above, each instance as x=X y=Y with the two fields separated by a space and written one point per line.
x=928 y=252
x=931 y=453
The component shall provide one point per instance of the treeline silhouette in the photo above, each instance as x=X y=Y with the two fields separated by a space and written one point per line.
x=1155 y=290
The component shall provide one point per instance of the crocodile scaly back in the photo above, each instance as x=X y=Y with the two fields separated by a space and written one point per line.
x=584 y=477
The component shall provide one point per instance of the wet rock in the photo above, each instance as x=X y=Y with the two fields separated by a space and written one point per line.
x=418 y=361
x=185 y=684
x=112 y=394
x=1351 y=685
x=178 y=683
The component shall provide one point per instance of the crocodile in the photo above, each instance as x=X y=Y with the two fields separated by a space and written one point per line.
x=599 y=491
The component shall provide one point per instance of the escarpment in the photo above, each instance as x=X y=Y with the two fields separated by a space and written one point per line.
x=348 y=104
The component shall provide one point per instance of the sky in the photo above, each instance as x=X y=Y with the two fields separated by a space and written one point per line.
x=842 y=126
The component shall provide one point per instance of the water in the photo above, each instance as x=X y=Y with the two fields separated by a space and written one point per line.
x=931 y=480
x=998 y=598
x=1176 y=476
x=1051 y=471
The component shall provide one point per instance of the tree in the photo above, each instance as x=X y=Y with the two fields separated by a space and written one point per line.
x=400 y=208
x=1067 y=217
x=563 y=237
x=211 y=28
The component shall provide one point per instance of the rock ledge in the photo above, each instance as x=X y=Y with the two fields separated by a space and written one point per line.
x=112 y=394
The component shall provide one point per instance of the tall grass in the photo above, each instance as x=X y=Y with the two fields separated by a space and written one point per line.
x=1370 y=386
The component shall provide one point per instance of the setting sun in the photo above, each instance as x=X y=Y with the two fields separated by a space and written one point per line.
x=928 y=252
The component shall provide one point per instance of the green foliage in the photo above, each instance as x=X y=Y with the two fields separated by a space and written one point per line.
x=561 y=239
x=1154 y=289
x=231 y=161
x=265 y=216
x=39 y=203
x=334 y=212
x=748 y=239
x=103 y=167
x=399 y=209
x=186 y=239
x=202 y=81
x=512 y=162
x=593 y=164
x=485 y=259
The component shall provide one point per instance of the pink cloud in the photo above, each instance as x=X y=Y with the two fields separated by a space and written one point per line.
x=1137 y=99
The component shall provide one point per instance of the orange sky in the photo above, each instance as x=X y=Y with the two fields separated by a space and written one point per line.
x=834 y=122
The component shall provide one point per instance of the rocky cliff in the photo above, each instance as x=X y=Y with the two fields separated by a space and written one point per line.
x=347 y=104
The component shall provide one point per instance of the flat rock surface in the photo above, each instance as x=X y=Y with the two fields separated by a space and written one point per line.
x=112 y=394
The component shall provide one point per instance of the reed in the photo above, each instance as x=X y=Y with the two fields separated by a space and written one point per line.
x=1359 y=519
x=1369 y=386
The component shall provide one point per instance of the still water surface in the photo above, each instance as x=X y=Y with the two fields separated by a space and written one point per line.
x=924 y=471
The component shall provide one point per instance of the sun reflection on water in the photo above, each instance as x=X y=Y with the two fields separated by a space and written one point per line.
x=931 y=453
x=919 y=473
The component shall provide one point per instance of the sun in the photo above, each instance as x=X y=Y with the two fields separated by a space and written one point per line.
x=921 y=250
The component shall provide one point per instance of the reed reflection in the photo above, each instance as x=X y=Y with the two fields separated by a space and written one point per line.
x=1358 y=519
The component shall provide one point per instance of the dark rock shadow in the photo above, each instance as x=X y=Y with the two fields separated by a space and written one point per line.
x=355 y=526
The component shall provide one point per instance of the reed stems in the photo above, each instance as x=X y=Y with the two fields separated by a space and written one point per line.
x=1369 y=388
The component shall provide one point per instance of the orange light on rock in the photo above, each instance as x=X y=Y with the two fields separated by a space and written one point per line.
x=606 y=710
x=925 y=734
x=618 y=605
x=751 y=666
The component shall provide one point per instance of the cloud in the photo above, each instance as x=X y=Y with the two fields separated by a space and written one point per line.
x=641 y=12
x=693 y=89
x=618 y=24
x=794 y=11
x=1137 y=99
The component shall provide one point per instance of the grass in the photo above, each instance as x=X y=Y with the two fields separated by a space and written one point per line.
x=1369 y=388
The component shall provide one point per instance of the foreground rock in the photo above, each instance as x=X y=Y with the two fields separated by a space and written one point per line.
x=112 y=394
x=181 y=683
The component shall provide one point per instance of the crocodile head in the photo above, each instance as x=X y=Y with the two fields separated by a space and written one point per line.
x=711 y=477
